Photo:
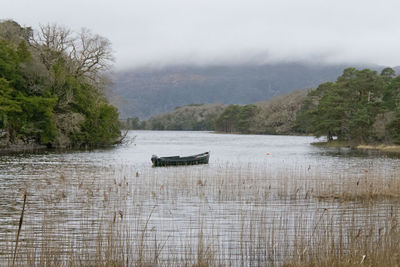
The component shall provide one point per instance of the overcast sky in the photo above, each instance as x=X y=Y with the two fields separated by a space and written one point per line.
x=164 y=32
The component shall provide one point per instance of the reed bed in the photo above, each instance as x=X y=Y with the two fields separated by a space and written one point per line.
x=364 y=189
x=226 y=215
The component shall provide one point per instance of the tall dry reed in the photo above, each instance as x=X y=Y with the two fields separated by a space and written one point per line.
x=200 y=216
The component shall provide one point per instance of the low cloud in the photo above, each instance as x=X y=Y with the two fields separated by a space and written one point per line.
x=159 y=33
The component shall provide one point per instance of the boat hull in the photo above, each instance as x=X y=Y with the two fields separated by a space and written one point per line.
x=179 y=161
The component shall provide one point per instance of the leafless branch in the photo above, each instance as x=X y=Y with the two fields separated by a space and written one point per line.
x=87 y=54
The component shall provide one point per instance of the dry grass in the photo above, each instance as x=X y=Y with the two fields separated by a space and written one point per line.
x=334 y=143
x=362 y=188
x=200 y=216
x=368 y=246
x=391 y=149
x=383 y=148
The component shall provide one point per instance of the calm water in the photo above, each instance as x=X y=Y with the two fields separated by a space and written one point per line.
x=238 y=149
x=74 y=193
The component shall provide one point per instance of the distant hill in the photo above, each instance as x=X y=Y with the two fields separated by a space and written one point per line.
x=397 y=70
x=143 y=93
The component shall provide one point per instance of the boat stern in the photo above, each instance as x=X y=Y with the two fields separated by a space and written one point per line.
x=154 y=159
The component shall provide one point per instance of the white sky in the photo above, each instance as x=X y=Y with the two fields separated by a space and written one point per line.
x=164 y=32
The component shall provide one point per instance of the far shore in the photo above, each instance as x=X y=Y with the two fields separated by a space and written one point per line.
x=379 y=147
x=382 y=147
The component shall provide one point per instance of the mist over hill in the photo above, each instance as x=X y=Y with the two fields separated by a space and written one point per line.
x=146 y=92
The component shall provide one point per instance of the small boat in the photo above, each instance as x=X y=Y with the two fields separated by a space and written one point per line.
x=177 y=160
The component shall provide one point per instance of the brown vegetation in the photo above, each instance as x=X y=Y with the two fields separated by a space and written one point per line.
x=199 y=216
x=278 y=115
x=275 y=116
x=383 y=148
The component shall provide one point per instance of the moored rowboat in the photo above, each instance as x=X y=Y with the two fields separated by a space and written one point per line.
x=177 y=160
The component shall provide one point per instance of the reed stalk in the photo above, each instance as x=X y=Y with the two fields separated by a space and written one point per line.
x=247 y=216
x=21 y=219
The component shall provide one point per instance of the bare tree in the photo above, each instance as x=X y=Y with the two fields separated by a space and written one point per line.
x=87 y=55
x=91 y=53
x=52 y=42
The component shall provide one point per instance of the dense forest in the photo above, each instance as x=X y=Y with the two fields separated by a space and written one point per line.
x=52 y=87
x=360 y=107
x=195 y=117
x=275 y=116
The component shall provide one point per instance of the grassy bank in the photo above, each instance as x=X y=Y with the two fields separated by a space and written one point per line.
x=384 y=148
x=200 y=216
x=393 y=149
x=334 y=143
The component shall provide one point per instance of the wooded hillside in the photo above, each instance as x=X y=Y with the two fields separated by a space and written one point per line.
x=362 y=106
x=195 y=117
x=276 y=116
x=52 y=87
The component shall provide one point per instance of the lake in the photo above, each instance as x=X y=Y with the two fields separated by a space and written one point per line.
x=252 y=204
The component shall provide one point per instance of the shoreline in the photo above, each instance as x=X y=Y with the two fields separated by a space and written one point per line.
x=393 y=149
x=26 y=148
x=384 y=148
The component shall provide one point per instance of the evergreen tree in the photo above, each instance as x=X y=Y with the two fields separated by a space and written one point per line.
x=52 y=89
x=348 y=108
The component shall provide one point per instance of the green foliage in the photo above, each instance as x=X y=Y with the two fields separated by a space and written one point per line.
x=189 y=118
x=348 y=109
x=388 y=73
x=275 y=116
x=26 y=116
x=157 y=124
x=245 y=117
x=391 y=96
x=22 y=53
x=52 y=106
x=8 y=103
x=394 y=128
x=228 y=120
x=101 y=127
x=304 y=117
x=10 y=60
x=236 y=118
x=327 y=119
x=36 y=119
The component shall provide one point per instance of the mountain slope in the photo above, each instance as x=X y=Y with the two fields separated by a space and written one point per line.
x=144 y=93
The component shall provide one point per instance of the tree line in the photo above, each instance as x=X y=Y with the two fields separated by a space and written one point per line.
x=194 y=117
x=52 y=87
x=275 y=116
x=361 y=106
